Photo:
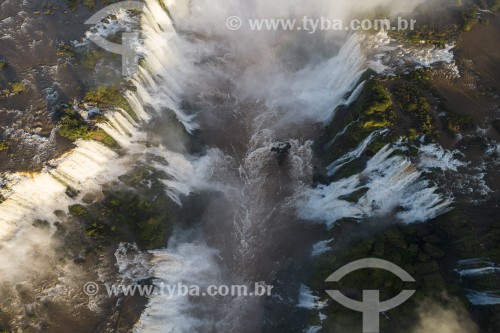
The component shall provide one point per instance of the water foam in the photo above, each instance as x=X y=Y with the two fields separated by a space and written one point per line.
x=390 y=184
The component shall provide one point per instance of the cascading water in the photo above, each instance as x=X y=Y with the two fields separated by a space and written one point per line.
x=256 y=100
x=250 y=104
x=37 y=199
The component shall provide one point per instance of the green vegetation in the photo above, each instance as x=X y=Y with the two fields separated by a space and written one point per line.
x=16 y=87
x=126 y=216
x=73 y=4
x=419 y=75
x=146 y=221
x=438 y=36
x=100 y=135
x=410 y=100
x=456 y=123
x=164 y=7
x=469 y=18
x=373 y=110
x=419 y=249
x=71 y=125
x=71 y=192
x=90 y=58
x=138 y=211
x=78 y=210
x=4 y=146
x=107 y=97
x=493 y=5
x=3 y=64
x=461 y=16
x=66 y=51
x=90 y=4
x=13 y=88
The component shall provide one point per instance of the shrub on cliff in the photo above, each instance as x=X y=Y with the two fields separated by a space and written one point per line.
x=107 y=97
x=4 y=146
x=72 y=125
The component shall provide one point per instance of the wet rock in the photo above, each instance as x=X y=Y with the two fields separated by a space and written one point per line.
x=29 y=310
x=496 y=125
x=79 y=260
x=319 y=176
x=41 y=224
x=60 y=214
x=44 y=301
x=281 y=149
x=71 y=192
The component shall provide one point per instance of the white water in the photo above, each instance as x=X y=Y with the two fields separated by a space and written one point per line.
x=355 y=153
x=483 y=298
x=472 y=269
x=454 y=174
x=388 y=56
x=433 y=156
x=321 y=247
x=28 y=252
x=272 y=98
x=133 y=265
x=189 y=264
x=269 y=97
x=390 y=182
x=338 y=135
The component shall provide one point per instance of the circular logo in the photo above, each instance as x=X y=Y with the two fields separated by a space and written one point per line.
x=91 y=288
x=234 y=23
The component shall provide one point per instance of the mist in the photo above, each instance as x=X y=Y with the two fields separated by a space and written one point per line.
x=242 y=94
x=298 y=75
x=438 y=318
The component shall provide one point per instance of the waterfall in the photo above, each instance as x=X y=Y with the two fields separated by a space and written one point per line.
x=191 y=265
x=256 y=102
x=241 y=87
x=90 y=165
x=354 y=154
x=388 y=182
x=258 y=198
